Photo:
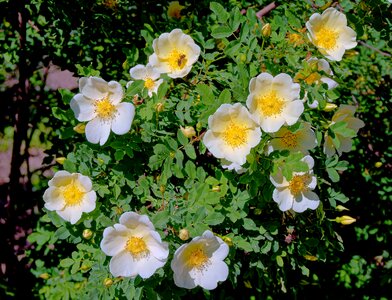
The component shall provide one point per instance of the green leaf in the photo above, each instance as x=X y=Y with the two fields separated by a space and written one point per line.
x=190 y=151
x=214 y=218
x=136 y=87
x=279 y=261
x=66 y=262
x=333 y=175
x=222 y=32
x=220 y=12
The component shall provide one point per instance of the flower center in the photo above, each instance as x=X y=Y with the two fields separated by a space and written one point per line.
x=177 y=60
x=312 y=78
x=137 y=247
x=270 y=105
x=148 y=83
x=235 y=135
x=72 y=194
x=195 y=257
x=289 y=139
x=105 y=109
x=326 y=38
x=299 y=184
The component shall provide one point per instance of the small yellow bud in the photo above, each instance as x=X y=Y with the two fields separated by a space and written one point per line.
x=44 y=276
x=159 y=107
x=60 y=160
x=228 y=241
x=330 y=107
x=85 y=267
x=107 y=282
x=80 y=128
x=87 y=234
x=188 y=131
x=216 y=188
x=310 y=257
x=174 y=10
x=162 y=189
x=295 y=39
x=341 y=208
x=266 y=30
x=184 y=234
x=345 y=220
x=378 y=164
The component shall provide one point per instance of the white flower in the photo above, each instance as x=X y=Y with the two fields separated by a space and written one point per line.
x=70 y=195
x=200 y=262
x=302 y=139
x=99 y=102
x=345 y=113
x=330 y=34
x=174 y=53
x=149 y=75
x=136 y=247
x=274 y=101
x=233 y=166
x=296 y=194
x=232 y=133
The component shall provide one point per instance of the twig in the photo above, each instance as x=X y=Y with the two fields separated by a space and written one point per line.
x=375 y=49
x=262 y=12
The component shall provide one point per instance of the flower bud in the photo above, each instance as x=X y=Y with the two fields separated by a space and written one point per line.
x=85 y=267
x=330 y=107
x=44 y=276
x=60 y=160
x=266 y=30
x=184 y=234
x=174 y=10
x=228 y=241
x=341 y=208
x=87 y=234
x=216 y=188
x=107 y=282
x=188 y=131
x=80 y=128
x=345 y=220
x=159 y=107
x=378 y=164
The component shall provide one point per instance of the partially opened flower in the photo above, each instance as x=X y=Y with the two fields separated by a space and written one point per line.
x=330 y=34
x=303 y=139
x=174 y=53
x=343 y=140
x=136 y=247
x=274 y=101
x=296 y=194
x=149 y=75
x=232 y=133
x=200 y=262
x=99 y=102
x=174 y=9
x=70 y=195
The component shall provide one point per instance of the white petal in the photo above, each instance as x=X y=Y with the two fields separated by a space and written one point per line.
x=71 y=214
x=97 y=131
x=61 y=178
x=88 y=203
x=208 y=278
x=271 y=124
x=313 y=183
x=116 y=92
x=53 y=199
x=138 y=72
x=83 y=108
x=85 y=181
x=284 y=198
x=123 y=120
x=114 y=240
x=293 y=111
x=123 y=264
x=309 y=161
x=131 y=219
x=308 y=200
x=331 y=83
x=147 y=267
x=95 y=88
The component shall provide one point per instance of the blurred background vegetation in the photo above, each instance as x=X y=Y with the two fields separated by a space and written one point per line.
x=44 y=42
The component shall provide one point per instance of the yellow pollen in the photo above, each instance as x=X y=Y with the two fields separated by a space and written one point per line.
x=270 y=105
x=137 y=247
x=148 y=83
x=312 y=78
x=177 y=60
x=195 y=257
x=299 y=184
x=289 y=139
x=105 y=109
x=326 y=38
x=72 y=194
x=235 y=135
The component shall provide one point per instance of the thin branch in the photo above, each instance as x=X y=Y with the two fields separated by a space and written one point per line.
x=375 y=49
x=262 y=12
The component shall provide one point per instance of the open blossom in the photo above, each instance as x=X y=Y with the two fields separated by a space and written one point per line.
x=174 y=9
x=70 y=195
x=200 y=262
x=296 y=194
x=232 y=133
x=136 y=247
x=274 y=101
x=303 y=139
x=330 y=34
x=149 y=75
x=345 y=113
x=99 y=102
x=174 y=53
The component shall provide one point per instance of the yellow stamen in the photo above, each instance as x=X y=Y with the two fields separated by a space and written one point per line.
x=137 y=247
x=72 y=194
x=195 y=257
x=299 y=184
x=326 y=38
x=270 y=105
x=289 y=139
x=177 y=60
x=105 y=109
x=235 y=135
x=148 y=83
